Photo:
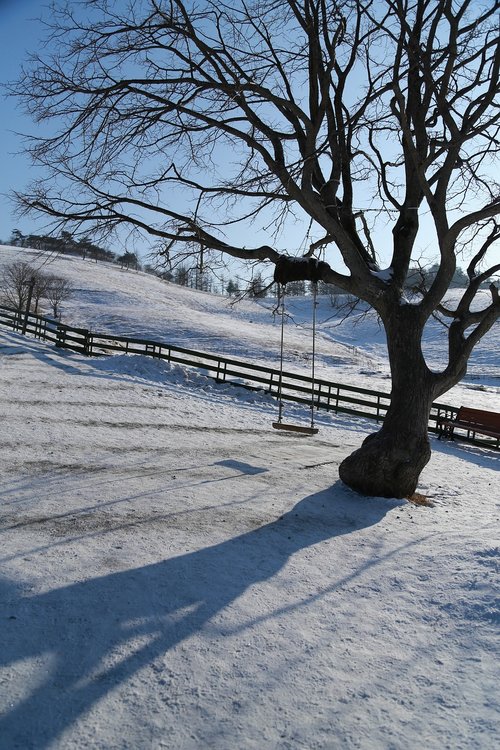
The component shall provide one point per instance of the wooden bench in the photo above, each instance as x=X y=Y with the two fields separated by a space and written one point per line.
x=473 y=421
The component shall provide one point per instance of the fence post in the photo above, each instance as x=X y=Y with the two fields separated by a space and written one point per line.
x=40 y=327
x=26 y=316
x=60 y=335
x=31 y=289
x=220 y=369
x=87 y=344
x=318 y=402
x=328 y=396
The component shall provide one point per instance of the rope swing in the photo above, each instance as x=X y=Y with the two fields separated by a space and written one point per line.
x=280 y=425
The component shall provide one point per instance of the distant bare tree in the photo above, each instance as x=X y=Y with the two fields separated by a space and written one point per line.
x=257 y=288
x=20 y=283
x=377 y=120
x=40 y=287
x=232 y=288
x=128 y=260
x=57 y=291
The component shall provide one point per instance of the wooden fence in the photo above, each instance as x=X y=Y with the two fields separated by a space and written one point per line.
x=300 y=389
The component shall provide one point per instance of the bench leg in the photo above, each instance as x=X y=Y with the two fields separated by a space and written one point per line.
x=446 y=432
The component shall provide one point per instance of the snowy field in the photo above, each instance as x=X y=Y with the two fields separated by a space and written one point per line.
x=107 y=299
x=175 y=574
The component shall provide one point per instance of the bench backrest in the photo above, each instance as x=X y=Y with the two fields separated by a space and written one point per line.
x=479 y=417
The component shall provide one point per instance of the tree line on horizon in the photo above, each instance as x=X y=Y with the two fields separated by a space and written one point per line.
x=419 y=278
x=67 y=244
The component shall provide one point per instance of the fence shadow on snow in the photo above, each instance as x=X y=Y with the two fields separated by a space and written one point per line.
x=301 y=389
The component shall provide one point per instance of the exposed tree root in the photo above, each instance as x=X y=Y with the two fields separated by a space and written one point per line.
x=418 y=499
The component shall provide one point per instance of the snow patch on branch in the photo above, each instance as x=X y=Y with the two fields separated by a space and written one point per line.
x=384 y=275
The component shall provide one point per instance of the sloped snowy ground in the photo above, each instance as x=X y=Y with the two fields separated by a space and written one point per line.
x=175 y=574
x=351 y=351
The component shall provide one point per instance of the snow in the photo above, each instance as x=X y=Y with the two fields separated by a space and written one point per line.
x=385 y=274
x=350 y=350
x=176 y=574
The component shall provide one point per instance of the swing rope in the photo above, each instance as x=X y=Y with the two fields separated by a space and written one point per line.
x=281 y=296
x=315 y=294
x=280 y=425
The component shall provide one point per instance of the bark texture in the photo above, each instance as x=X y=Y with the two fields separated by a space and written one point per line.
x=389 y=462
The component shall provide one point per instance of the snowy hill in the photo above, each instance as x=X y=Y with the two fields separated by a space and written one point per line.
x=352 y=350
x=177 y=575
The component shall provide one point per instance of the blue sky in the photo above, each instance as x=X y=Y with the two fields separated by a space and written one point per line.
x=20 y=33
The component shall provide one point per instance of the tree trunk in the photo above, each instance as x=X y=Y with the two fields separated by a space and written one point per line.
x=28 y=306
x=390 y=461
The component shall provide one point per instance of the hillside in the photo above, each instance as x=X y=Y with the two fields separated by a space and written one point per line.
x=177 y=574
x=112 y=300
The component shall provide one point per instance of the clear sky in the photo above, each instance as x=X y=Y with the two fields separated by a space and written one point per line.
x=20 y=33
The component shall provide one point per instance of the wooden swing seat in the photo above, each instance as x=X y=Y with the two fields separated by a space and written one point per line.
x=295 y=428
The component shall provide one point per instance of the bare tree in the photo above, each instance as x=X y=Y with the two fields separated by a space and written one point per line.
x=57 y=291
x=375 y=119
x=127 y=260
x=24 y=286
x=40 y=282
x=21 y=285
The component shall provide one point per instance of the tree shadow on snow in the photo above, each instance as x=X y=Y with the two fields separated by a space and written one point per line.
x=94 y=635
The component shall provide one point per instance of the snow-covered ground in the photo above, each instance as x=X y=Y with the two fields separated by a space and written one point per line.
x=175 y=574
x=349 y=350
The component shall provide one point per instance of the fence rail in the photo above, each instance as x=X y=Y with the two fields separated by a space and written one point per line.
x=301 y=389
